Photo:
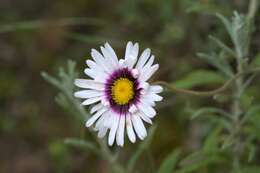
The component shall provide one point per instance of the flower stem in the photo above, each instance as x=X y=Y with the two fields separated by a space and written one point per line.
x=236 y=78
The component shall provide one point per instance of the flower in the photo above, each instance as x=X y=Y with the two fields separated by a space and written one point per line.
x=120 y=93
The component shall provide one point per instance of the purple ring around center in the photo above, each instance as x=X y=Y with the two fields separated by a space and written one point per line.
x=122 y=73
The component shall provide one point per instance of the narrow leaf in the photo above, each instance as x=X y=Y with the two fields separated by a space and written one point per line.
x=169 y=163
x=80 y=143
x=222 y=45
x=199 y=78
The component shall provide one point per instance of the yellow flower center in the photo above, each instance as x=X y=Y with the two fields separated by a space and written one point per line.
x=122 y=91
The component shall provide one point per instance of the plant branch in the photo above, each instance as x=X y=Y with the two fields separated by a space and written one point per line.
x=252 y=9
x=210 y=92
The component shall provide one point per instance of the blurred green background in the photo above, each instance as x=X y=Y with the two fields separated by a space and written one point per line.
x=41 y=35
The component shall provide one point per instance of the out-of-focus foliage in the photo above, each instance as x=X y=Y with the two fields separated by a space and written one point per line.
x=190 y=134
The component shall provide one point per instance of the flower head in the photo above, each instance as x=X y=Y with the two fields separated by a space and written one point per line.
x=118 y=89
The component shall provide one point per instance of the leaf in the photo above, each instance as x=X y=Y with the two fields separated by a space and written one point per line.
x=222 y=45
x=217 y=61
x=252 y=111
x=65 y=83
x=37 y=24
x=241 y=34
x=196 y=161
x=199 y=78
x=212 y=140
x=51 y=80
x=256 y=61
x=252 y=152
x=207 y=110
x=142 y=146
x=226 y=23
x=80 y=143
x=169 y=163
x=86 y=38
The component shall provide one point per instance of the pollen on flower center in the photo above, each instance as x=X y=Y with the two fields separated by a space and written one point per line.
x=122 y=91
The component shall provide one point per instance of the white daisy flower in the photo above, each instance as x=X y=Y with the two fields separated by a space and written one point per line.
x=118 y=89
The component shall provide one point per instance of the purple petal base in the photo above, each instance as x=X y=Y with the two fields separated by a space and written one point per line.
x=122 y=73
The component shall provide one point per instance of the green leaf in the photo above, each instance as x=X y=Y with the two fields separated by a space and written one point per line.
x=65 y=83
x=252 y=111
x=226 y=23
x=256 y=61
x=199 y=78
x=142 y=146
x=80 y=143
x=208 y=110
x=198 y=164
x=196 y=161
x=51 y=80
x=252 y=152
x=212 y=140
x=37 y=24
x=169 y=163
x=222 y=45
x=217 y=61
x=241 y=34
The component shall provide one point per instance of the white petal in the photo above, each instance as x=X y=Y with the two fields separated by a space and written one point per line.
x=143 y=58
x=88 y=93
x=97 y=75
x=91 y=100
x=144 y=117
x=102 y=132
x=100 y=60
x=96 y=107
x=112 y=133
x=128 y=49
x=92 y=119
x=131 y=57
x=133 y=109
x=90 y=84
x=135 y=50
x=144 y=86
x=139 y=126
x=112 y=53
x=90 y=73
x=150 y=61
x=129 y=128
x=147 y=110
x=95 y=67
x=120 y=131
x=154 y=97
x=110 y=63
x=109 y=119
x=100 y=122
x=156 y=88
x=148 y=101
x=146 y=74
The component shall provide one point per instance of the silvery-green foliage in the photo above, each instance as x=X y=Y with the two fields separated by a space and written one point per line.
x=233 y=132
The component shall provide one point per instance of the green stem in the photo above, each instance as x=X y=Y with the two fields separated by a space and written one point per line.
x=237 y=110
x=252 y=9
x=236 y=78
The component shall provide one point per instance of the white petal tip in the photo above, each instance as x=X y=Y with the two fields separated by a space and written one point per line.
x=87 y=124
x=110 y=143
x=132 y=140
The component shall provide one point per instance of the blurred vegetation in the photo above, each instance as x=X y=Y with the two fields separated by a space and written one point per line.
x=191 y=134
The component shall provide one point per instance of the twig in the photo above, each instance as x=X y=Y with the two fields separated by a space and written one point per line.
x=206 y=93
